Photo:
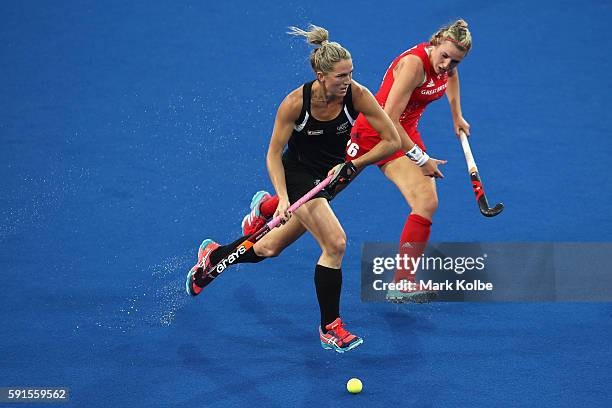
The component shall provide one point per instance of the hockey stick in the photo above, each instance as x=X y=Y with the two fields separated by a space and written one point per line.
x=481 y=197
x=204 y=280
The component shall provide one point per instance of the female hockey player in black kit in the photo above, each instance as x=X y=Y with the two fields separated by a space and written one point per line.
x=314 y=121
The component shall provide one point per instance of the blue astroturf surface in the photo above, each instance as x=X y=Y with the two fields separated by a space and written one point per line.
x=130 y=131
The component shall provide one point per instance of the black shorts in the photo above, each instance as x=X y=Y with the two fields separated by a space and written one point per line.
x=300 y=179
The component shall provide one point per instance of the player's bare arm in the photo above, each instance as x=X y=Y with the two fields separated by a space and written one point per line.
x=364 y=102
x=454 y=100
x=287 y=114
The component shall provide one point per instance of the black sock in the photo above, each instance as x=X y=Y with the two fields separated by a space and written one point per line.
x=328 y=283
x=248 y=257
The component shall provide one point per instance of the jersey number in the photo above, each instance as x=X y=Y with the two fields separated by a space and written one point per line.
x=352 y=149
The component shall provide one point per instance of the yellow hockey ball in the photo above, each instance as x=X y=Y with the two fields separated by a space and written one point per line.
x=354 y=386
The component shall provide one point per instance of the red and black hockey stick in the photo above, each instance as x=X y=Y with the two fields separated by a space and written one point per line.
x=481 y=197
x=204 y=279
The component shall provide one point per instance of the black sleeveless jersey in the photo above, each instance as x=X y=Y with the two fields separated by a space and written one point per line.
x=320 y=145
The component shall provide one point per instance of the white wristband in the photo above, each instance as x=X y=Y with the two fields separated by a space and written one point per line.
x=417 y=155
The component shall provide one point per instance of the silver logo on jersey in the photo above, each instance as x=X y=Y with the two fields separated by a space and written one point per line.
x=315 y=132
x=343 y=127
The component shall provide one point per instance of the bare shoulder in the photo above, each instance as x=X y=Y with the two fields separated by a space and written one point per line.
x=292 y=104
x=357 y=88
x=359 y=91
x=409 y=62
x=363 y=100
x=409 y=73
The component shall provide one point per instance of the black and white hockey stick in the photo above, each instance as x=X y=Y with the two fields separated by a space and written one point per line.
x=481 y=197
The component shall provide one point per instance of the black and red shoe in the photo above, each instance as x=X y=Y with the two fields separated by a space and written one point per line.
x=338 y=338
x=255 y=219
x=200 y=269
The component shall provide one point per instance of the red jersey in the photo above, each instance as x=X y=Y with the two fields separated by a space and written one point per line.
x=433 y=87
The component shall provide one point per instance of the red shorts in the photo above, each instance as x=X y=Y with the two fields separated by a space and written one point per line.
x=361 y=144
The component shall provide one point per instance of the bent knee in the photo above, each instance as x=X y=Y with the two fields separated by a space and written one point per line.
x=268 y=251
x=425 y=204
x=336 y=246
x=430 y=205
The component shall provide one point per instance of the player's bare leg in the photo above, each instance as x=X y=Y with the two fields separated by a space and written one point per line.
x=280 y=238
x=319 y=219
x=420 y=194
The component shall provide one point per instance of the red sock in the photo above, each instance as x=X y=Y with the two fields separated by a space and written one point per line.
x=412 y=243
x=268 y=207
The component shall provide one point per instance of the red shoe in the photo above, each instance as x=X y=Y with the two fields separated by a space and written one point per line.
x=255 y=220
x=201 y=268
x=337 y=338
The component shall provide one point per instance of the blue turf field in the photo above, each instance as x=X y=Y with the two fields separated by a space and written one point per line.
x=130 y=132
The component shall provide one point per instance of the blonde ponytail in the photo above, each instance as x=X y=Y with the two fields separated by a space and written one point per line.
x=322 y=58
x=457 y=33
